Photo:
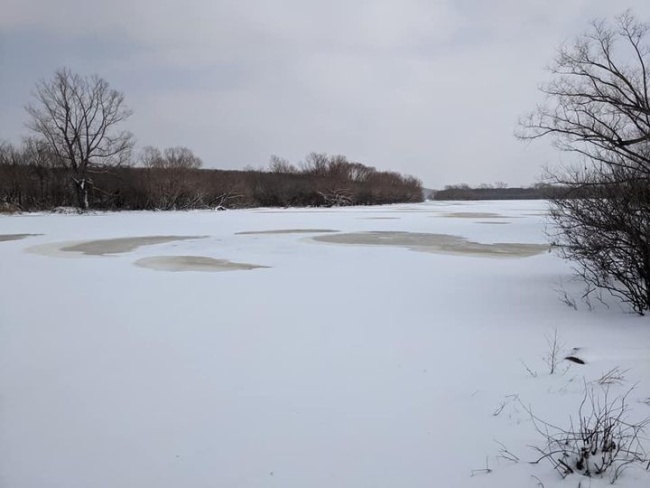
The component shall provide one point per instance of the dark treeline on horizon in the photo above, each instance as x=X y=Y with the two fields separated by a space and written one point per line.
x=536 y=192
x=32 y=180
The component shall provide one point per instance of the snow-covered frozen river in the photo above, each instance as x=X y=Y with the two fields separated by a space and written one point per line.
x=348 y=347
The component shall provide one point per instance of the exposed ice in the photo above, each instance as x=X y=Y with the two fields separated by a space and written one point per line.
x=436 y=243
x=285 y=231
x=103 y=247
x=15 y=237
x=193 y=263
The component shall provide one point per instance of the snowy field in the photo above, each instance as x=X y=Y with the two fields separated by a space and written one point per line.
x=397 y=346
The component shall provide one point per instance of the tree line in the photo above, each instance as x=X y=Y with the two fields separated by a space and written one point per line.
x=31 y=178
x=78 y=155
x=492 y=192
x=538 y=191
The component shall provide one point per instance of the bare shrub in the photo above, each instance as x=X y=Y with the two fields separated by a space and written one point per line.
x=552 y=357
x=600 y=442
x=598 y=109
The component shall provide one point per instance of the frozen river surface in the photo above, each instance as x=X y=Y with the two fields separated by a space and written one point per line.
x=353 y=347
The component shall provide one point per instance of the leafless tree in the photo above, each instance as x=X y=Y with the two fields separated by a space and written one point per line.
x=281 y=165
x=169 y=176
x=315 y=164
x=78 y=117
x=151 y=157
x=180 y=157
x=598 y=108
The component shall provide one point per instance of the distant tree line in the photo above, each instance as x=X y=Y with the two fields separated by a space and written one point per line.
x=500 y=191
x=78 y=156
x=32 y=178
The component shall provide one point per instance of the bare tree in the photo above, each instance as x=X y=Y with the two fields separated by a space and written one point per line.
x=77 y=117
x=151 y=157
x=180 y=157
x=598 y=108
x=170 y=172
x=315 y=164
x=281 y=165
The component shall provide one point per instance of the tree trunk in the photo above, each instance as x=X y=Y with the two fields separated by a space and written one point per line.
x=81 y=189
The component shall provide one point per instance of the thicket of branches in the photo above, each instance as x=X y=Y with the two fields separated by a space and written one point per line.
x=32 y=178
x=598 y=108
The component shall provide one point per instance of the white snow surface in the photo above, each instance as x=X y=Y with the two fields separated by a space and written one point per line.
x=338 y=365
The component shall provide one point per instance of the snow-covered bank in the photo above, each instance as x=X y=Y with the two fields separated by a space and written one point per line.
x=334 y=365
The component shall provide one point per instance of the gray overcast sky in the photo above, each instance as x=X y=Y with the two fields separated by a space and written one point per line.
x=431 y=88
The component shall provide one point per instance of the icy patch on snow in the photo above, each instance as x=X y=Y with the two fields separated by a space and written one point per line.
x=474 y=215
x=293 y=210
x=436 y=243
x=285 y=231
x=380 y=218
x=193 y=263
x=104 y=246
x=15 y=237
x=121 y=244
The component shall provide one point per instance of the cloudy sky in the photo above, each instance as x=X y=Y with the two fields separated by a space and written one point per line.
x=431 y=88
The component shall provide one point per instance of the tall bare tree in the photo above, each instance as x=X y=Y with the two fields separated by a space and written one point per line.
x=598 y=108
x=78 y=117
